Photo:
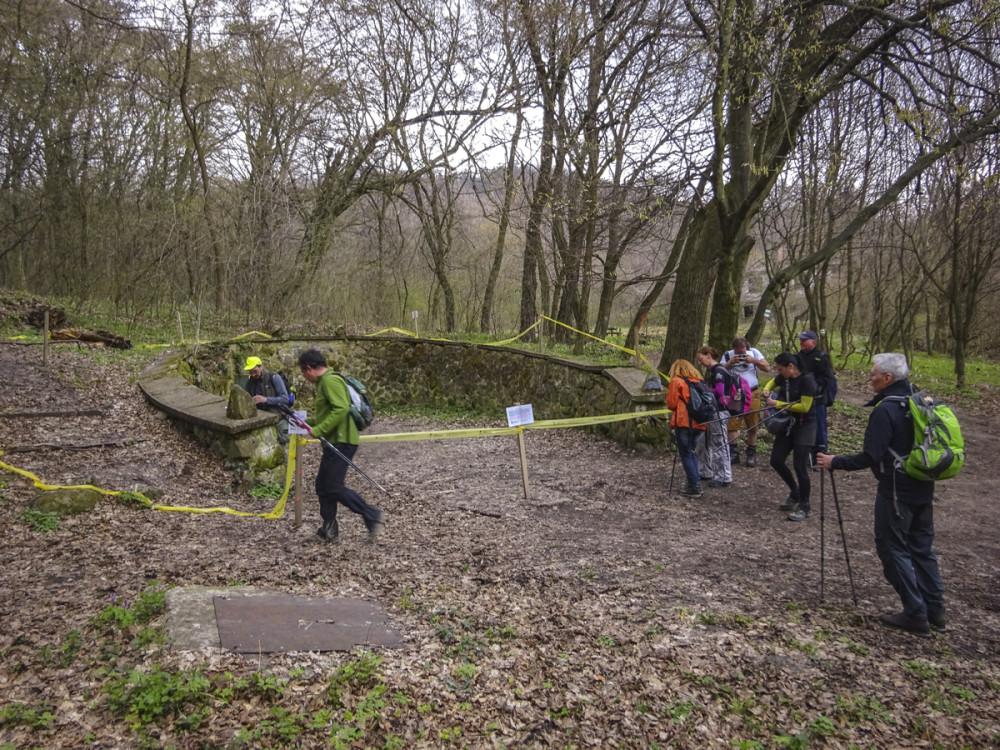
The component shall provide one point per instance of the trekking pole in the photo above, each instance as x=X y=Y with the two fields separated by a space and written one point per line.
x=777 y=409
x=748 y=413
x=840 y=520
x=822 y=541
x=327 y=444
x=673 y=468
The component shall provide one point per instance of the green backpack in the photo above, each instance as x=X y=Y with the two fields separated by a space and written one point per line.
x=938 y=450
x=361 y=406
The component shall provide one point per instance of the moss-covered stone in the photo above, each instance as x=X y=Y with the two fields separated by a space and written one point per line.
x=432 y=373
x=244 y=447
x=66 y=501
x=240 y=404
x=185 y=371
x=267 y=463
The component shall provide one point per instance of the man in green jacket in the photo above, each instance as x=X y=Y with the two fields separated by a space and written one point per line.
x=332 y=420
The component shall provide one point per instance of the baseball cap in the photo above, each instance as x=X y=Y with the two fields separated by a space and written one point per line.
x=808 y=335
x=252 y=362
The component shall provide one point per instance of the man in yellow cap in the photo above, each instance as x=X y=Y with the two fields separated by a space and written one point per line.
x=268 y=391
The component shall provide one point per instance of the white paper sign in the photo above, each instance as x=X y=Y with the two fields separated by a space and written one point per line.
x=519 y=415
x=294 y=429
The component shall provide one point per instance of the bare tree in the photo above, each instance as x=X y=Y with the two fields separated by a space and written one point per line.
x=955 y=243
x=772 y=67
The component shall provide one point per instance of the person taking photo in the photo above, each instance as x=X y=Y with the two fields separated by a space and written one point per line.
x=745 y=361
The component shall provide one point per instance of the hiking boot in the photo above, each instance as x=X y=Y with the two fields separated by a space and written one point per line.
x=716 y=484
x=935 y=616
x=801 y=514
x=690 y=490
x=790 y=504
x=376 y=528
x=328 y=532
x=909 y=624
x=734 y=455
x=751 y=456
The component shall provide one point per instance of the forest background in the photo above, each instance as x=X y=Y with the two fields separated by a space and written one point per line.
x=823 y=165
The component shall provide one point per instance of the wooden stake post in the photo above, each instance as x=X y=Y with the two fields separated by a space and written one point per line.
x=524 y=464
x=298 y=480
x=517 y=416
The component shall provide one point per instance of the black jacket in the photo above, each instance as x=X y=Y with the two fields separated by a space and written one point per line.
x=889 y=426
x=818 y=363
x=793 y=389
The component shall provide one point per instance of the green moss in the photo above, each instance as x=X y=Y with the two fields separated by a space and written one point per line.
x=260 y=465
x=185 y=371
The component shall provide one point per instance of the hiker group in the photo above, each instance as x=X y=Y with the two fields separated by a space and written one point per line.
x=911 y=440
x=742 y=395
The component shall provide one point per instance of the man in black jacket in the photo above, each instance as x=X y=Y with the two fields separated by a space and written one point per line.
x=904 y=511
x=816 y=361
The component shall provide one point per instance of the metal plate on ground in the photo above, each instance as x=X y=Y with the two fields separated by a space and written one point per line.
x=282 y=622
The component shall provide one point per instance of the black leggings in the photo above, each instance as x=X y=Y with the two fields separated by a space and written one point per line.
x=801 y=460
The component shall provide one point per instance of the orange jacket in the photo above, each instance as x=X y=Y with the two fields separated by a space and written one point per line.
x=678 y=396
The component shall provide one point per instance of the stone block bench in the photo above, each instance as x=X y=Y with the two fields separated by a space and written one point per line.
x=250 y=444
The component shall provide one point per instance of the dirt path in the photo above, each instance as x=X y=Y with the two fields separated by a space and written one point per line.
x=603 y=574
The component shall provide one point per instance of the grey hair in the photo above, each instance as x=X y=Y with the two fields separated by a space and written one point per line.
x=891 y=363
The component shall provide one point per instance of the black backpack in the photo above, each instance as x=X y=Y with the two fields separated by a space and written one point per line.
x=831 y=388
x=701 y=405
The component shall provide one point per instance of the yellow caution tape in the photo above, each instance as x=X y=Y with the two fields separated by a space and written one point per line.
x=276 y=512
x=166 y=346
x=43 y=486
x=547 y=424
x=250 y=333
x=522 y=333
x=393 y=330
x=296 y=440
x=279 y=509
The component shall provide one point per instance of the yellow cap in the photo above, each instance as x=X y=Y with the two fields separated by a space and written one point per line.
x=252 y=362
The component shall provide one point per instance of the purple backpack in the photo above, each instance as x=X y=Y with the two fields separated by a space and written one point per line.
x=738 y=394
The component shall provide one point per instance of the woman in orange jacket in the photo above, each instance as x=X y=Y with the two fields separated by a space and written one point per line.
x=686 y=430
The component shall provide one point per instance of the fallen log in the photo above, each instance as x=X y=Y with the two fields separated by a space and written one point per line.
x=39 y=414
x=118 y=443
x=81 y=334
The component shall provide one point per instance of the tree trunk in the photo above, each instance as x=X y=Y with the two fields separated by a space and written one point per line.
x=692 y=289
x=509 y=192
x=533 y=231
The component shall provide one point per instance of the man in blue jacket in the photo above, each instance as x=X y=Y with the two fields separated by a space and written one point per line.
x=904 y=510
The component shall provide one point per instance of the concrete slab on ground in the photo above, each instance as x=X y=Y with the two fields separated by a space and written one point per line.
x=251 y=620
x=283 y=622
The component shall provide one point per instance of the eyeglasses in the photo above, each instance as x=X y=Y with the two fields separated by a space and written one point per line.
x=874 y=375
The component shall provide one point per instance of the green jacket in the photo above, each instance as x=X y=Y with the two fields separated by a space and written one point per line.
x=332 y=417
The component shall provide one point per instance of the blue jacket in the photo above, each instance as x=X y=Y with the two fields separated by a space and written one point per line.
x=271 y=387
